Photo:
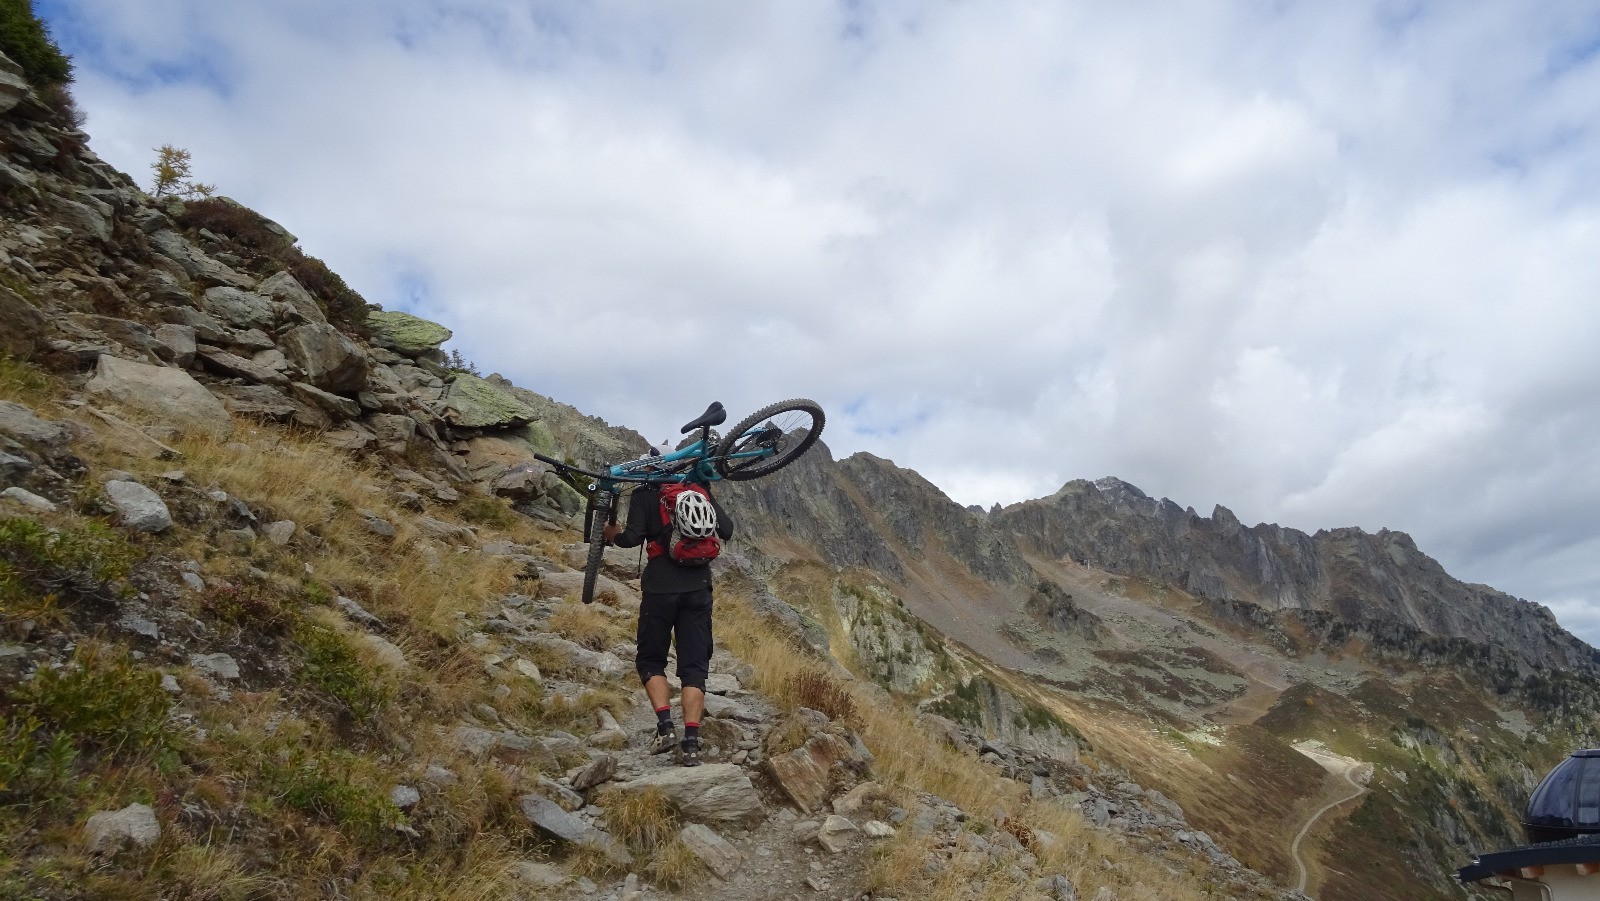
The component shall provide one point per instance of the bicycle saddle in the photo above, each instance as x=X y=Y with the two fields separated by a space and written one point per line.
x=714 y=415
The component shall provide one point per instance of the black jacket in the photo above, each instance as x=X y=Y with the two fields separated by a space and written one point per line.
x=663 y=575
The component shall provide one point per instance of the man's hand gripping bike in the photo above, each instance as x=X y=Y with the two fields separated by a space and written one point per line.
x=761 y=444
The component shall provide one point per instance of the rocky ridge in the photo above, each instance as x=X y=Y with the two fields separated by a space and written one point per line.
x=1357 y=576
x=865 y=511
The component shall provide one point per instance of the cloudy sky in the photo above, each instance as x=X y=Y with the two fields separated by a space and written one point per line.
x=1325 y=264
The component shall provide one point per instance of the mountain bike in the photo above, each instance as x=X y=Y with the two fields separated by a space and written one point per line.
x=760 y=445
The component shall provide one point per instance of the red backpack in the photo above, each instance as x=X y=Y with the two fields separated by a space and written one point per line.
x=690 y=543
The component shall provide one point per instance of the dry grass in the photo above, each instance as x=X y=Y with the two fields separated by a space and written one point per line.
x=329 y=495
x=213 y=873
x=673 y=865
x=819 y=691
x=28 y=385
x=643 y=820
x=646 y=822
x=584 y=625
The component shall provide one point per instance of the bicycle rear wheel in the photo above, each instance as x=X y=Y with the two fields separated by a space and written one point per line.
x=769 y=439
x=604 y=504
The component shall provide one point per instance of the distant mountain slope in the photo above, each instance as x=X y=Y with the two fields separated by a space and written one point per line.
x=1348 y=572
x=866 y=511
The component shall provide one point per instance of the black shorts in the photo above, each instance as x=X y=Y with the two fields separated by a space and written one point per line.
x=684 y=615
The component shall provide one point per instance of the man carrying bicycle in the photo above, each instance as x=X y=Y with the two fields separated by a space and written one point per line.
x=676 y=603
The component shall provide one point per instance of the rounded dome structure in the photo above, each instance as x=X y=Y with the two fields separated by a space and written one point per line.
x=1567 y=802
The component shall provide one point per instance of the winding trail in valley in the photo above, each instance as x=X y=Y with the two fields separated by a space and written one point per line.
x=1355 y=772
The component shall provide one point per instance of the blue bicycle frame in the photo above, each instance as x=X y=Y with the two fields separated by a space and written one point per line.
x=754 y=447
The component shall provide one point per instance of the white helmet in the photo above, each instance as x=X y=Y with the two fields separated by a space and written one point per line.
x=693 y=516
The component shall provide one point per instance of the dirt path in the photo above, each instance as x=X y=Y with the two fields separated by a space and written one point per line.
x=1355 y=772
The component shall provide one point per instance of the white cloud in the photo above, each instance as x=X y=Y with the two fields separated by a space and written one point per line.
x=1325 y=264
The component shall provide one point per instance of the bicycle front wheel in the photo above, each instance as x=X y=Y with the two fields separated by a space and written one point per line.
x=769 y=439
x=605 y=504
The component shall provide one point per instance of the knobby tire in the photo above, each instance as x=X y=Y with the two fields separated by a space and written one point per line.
x=738 y=471
x=597 y=550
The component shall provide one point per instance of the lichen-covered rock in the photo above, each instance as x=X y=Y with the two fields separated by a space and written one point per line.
x=476 y=404
x=406 y=334
x=170 y=394
x=538 y=436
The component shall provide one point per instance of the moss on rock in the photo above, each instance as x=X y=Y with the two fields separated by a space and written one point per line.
x=404 y=333
x=538 y=436
x=476 y=404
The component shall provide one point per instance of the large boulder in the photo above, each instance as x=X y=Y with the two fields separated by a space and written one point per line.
x=489 y=459
x=284 y=288
x=169 y=394
x=140 y=508
x=13 y=86
x=206 y=327
x=334 y=405
x=265 y=402
x=240 y=309
x=46 y=437
x=330 y=360
x=405 y=334
x=806 y=774
x=473 y=403
x=92 y=219
x=194 y=261
x=548 y=817
x=21 y=325
x=711 y=793
x=239 y=367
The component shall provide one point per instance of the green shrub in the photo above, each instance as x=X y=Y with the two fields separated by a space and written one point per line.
x=235 y=221
x=25 y=39
x=333 y=668
x=258 y=608
x=101 y=703
x=481 y=510
x=335 y=786
x=24 y=383
x=39 y=564
x=345 y=308
x=270 y=248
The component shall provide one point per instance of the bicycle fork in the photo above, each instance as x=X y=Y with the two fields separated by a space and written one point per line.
x=601 y=503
